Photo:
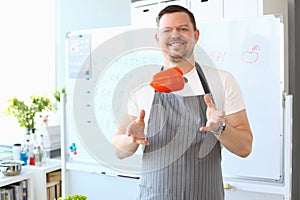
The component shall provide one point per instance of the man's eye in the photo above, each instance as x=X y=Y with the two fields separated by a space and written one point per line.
x=183 y=29
x=166 y=30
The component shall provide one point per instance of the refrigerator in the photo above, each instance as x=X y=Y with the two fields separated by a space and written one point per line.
x=102 y=65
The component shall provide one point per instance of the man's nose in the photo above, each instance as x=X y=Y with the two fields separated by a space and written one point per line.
x=175 y=33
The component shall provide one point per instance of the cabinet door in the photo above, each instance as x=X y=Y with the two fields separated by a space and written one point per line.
x=209 y=10
x=244 y=8
x=143 y=14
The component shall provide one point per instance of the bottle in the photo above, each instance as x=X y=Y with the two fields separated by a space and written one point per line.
x=46 y=152
x=25 y=152
x=17 y=149
x=38 y=156
x=32 y=144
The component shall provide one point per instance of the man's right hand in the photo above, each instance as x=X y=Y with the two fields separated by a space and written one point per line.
x=136 y=130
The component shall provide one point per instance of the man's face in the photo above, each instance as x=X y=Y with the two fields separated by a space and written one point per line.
x=176 y=36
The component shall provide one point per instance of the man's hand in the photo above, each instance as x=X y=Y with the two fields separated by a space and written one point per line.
x=136 y=130
x=215 y=117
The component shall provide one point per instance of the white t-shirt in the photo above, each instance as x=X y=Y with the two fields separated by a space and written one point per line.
x=225 y=90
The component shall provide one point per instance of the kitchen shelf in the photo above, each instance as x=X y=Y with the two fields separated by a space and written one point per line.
x=25 y=175
x=39 y=176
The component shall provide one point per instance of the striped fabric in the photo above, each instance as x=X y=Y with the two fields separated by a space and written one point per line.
x=181 y=163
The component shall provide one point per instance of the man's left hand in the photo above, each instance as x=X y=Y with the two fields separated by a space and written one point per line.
x=215 y=117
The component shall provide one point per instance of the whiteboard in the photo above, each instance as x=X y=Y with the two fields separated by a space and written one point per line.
x=251 y=49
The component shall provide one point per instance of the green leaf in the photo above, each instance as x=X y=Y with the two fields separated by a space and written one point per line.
x=25 y=113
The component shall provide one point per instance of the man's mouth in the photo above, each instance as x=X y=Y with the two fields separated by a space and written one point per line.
x=176 y=44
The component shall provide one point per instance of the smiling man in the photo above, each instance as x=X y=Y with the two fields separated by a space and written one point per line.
x=177 y=38
x=183 y=131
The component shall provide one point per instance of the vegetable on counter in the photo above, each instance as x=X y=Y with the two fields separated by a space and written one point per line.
x=168 y=80
x=73 y=197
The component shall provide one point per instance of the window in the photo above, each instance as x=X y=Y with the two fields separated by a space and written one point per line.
x=27 y=49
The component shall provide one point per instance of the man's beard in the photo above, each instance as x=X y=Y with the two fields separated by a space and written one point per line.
x=176 y=57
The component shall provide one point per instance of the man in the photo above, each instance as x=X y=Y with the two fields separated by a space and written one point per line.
x=185 y=129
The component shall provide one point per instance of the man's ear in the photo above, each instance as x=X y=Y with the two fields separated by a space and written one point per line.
x=197 y=35
x=156 y=38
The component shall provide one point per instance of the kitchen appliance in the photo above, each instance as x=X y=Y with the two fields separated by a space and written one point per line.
x=11 y=167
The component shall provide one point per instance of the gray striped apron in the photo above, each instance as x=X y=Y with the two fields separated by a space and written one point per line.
x=181 y=162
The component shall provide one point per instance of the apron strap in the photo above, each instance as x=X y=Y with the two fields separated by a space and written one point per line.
x=202 y=79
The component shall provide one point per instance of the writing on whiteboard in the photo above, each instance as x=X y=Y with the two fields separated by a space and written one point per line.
x=251 y=56
x=218 y=56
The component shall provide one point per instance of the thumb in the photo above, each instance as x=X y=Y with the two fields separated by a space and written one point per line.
x=208 y=101
x=141 y=116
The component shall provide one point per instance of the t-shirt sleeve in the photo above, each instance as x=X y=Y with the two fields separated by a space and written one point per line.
x=234 y=101
x=133 y=105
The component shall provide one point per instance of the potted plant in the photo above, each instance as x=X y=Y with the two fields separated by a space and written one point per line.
x=25 y=113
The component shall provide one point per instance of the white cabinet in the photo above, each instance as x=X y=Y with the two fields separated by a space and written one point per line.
x=25 y=178
x=209 y=10
x=218 y=9
x=143 y=13
x=39 y=177
x=245 y=8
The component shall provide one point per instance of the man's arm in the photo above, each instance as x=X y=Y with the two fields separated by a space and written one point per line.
x=237 y=136
x=123 y=144
x=126 y=142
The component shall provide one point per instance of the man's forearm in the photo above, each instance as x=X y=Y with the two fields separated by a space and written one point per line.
x=124 y=146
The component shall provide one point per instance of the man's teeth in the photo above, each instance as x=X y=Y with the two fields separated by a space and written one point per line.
x=176 y=44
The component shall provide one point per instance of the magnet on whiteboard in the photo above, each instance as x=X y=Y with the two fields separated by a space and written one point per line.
x=73 y=148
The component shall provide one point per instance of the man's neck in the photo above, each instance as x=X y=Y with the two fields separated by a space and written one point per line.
x=184 y=65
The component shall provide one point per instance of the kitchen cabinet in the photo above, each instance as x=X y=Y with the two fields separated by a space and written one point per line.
x=245 y=8
x=210 y=10
x=40 y=176
x=24 y=178
x=143 y=13
x=250 y=8
x=218 y=9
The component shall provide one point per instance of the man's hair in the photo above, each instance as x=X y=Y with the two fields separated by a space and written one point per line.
x=173 y=9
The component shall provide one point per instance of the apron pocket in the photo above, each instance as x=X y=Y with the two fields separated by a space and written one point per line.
x=149 y=193
x=209 y=141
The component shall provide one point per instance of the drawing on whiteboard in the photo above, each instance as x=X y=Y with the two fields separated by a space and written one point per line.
x=218 y=56
x=251 y=56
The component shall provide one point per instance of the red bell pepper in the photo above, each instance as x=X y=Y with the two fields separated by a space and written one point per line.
x=168 y=80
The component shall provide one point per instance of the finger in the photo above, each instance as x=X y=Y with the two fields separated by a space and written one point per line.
x=134 y=139
x=145 y=142
x=204 y=128
x=208 y=101
x=141 y=116
x=140 y=140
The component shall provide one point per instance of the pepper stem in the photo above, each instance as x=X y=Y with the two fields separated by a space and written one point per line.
x=185 y=80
